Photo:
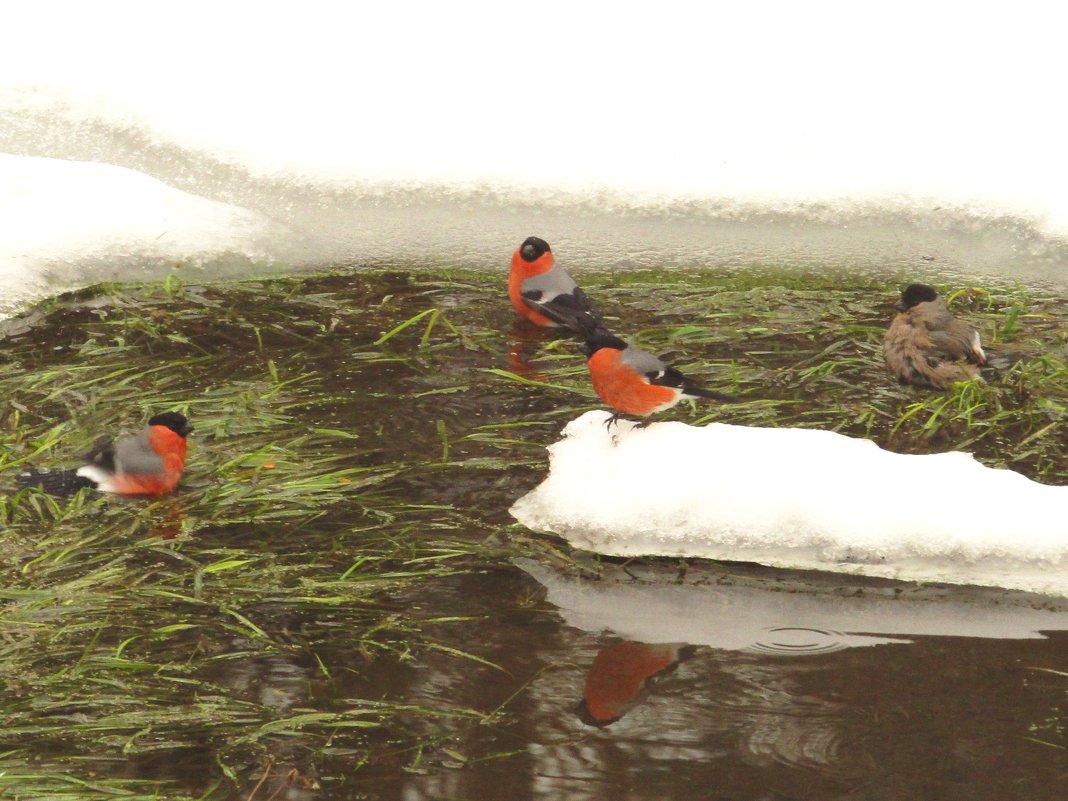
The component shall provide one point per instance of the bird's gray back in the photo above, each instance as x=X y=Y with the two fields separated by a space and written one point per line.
x=643 y=361
x=550 y=284
x=134 y=455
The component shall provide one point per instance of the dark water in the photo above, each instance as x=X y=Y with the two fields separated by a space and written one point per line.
x=562 y=677
x=933 y=717
x=929 y=717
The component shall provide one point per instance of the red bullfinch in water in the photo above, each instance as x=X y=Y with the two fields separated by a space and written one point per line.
x=618 y=675
x=927 y=346
x=634 y=381
x=546 y=295
x=148 y=463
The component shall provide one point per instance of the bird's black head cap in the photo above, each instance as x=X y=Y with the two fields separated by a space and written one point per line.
x=174 y=421
x=533 y=248
x=915 y=294
x=601 y=339
x=582 y=709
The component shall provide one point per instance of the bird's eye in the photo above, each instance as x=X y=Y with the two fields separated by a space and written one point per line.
x=529 y=252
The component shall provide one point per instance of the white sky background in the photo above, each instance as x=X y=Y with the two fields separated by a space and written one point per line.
x=796 y=101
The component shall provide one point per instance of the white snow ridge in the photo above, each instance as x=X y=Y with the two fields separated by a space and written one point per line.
x=67 y=223
x=799 y=498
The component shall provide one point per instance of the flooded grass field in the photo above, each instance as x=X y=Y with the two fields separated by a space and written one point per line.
x=331 y=605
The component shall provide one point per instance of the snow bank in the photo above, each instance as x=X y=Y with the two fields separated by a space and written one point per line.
x=802 y=105
x=799 y=498
x=795 y=614
x=56 y=211
x=701 y=134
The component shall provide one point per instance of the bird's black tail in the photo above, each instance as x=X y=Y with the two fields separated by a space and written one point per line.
x=60 y=483
x=590 y=326
x=701 y=392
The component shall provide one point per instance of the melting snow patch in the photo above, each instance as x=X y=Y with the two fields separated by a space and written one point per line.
x=799 y=498
x=59 y=212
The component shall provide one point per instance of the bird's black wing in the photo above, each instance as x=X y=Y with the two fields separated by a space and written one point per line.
x=571 y=310
x=670 y=377
x=102 y=454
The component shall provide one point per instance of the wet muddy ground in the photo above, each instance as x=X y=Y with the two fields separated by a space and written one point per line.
x=331 y=605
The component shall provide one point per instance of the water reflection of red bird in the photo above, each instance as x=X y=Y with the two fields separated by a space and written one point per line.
x=171 y=525
x=522 y=344
x=618 y=674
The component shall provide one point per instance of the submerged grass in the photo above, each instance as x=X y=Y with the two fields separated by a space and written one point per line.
x=358 y=437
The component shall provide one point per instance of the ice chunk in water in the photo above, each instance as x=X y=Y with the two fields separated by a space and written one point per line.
x=799 y=498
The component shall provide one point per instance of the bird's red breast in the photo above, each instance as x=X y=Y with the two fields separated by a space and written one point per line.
x=625 y=389
x=171 y=448
x=153 y=486
x=618 y=673
x=520 y=272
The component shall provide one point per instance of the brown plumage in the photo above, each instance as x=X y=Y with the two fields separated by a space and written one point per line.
x=926 y=346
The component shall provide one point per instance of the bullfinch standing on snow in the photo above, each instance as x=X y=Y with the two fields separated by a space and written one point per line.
x=634 y=381
x=927 y=346
x=546 y=295
x=148 y=463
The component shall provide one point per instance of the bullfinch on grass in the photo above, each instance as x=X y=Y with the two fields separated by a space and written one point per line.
x=546 y=295
x=926 y=346
x=149 y=463
x=634 y=381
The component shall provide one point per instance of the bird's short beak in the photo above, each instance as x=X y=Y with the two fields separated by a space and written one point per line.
x=187 y=430
x=900 y=306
